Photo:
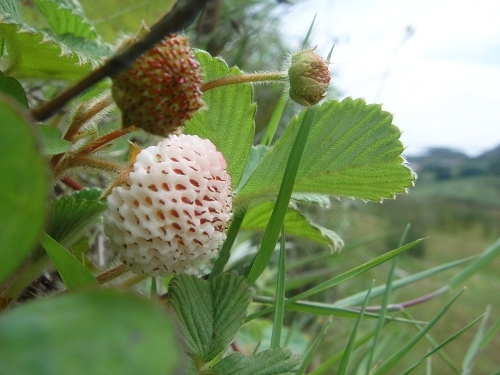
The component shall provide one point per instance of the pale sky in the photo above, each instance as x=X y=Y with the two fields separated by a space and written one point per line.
x=442 y=83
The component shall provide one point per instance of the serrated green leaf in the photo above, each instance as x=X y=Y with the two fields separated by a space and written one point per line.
x=280 y=361
x=210 y=311
x=43 y=51
x=71 y=216
x=257 y=218
x=98 y=332
x=257 y=153
x=10 y=9
x=353 y=150
x=113 y=19
x=63 y=19
x=13 y=88
x=73 y=274
x=24 y=187
x=228 y=119
x=52 y=140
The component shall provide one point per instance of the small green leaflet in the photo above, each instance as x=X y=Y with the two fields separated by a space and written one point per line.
x=71 y=216
x=210 y=311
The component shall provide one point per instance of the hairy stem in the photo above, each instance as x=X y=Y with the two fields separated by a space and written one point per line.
x=68 y=181
x=244 y=78
x=111 y=274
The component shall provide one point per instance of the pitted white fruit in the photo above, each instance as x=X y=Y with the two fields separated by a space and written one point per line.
x=174 y=208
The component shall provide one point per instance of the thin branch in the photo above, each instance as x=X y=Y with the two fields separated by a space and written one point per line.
x=182 y=15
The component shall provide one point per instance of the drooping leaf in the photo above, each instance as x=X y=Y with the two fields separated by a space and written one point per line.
x=64 y=18
x=71 y=216
x=353 y=150
x=210 y=311
x=23 y=190
x=280 y=361
x=98 y=332
x=44 y=50
x=52 y=140
x=73 y=274
x=12 y=87
x=257 y=218
x=228 y=119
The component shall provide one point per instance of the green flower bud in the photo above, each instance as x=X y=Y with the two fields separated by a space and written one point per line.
x=309 y=77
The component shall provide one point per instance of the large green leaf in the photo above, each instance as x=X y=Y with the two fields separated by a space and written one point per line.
x=210 y=311
x=228 y=119
x=32 y=53
x=73 y=274
x=353 y=150
x=280 y=361
x=257 y=218
x=99 y=332
x=64 y=18
x=72 y=216
x=23 y=190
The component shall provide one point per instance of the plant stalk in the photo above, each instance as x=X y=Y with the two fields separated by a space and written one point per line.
x=244 y=78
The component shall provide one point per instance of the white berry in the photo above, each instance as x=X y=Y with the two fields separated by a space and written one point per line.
x=173 y=211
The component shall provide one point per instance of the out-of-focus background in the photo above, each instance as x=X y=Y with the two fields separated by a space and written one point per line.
x=434 y=64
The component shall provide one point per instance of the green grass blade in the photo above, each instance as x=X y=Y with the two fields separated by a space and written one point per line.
x=440 y=346
x=225 y=251
x=319 y=308
x=73 y=273
x=280 y=295
x=495 y=328
x=268 y=137
x=273 y=230
x=391 y=361
x=311 y=351
x=342 y=277
x=325 y=366
x=385 y=303
x=344 y=362
x=303 y=261
x=357 y=299
x=475 y=345
x=433 y=343
x=487 y=257
x=381 y=318
x=355 y=271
